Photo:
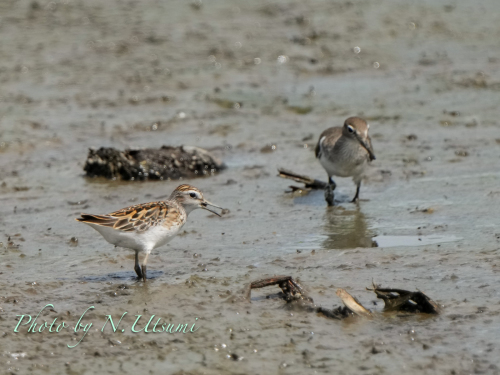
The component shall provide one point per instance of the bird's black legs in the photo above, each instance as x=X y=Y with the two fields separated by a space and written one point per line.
x=144 y=262
x=356 y=197
x=137 y=268
x=329 y=196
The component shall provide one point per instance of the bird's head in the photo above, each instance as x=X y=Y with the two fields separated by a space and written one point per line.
x=191 y=198
x=357 y=129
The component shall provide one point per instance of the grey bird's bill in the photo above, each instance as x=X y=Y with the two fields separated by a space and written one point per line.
x=206 y=203
x=367 y=148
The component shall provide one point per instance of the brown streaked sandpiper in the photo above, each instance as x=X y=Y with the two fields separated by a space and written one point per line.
x=345 y=152
x=146 y=226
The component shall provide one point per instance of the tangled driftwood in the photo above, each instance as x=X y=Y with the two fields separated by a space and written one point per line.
x=404 y=300
x=394 y=299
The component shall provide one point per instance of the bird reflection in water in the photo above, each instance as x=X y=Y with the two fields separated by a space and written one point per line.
x=346 y=229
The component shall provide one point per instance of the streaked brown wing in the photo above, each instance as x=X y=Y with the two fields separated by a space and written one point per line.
x=134 y=218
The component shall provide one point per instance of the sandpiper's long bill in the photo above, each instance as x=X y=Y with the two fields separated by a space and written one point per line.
x=345 y=152
x=146 y=226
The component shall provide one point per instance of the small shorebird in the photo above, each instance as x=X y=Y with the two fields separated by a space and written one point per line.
x=345 y=152
x=146 y=226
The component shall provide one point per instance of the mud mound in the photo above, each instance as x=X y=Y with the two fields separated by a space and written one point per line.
x=151 y=164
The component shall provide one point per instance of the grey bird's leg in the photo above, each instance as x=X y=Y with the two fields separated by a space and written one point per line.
x=137 y=268
x=329 y=196
x=356 y=197
x=144 y=262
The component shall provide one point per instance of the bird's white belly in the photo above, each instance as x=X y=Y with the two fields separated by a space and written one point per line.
x=141 y=241
x=342 y=168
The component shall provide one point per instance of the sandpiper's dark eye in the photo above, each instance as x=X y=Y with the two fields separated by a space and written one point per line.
x=350 y=129
x=192 y=195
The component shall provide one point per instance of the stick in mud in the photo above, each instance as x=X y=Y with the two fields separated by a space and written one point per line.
x=310 y=183
x=293 y=292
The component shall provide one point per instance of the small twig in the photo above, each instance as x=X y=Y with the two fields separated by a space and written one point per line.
x=309 y=182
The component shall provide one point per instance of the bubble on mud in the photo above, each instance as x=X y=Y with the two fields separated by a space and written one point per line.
x=238 y=45
x=356 y=50
x=182 y=115
x=376 y=65
x=18 y=355
x=268 y=148
x=257 y=60
x=282 y=59
x=73 y=241
x=75 y=203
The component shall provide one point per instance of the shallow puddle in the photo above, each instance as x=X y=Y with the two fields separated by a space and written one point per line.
x=402 y=241
x=346 y=229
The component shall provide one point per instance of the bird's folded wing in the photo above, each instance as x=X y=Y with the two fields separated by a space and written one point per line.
x=134 y=218
x=327 y=139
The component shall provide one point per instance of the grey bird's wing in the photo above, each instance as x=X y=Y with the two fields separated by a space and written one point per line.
x=327 y=139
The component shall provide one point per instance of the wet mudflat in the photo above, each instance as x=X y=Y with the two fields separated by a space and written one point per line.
x=254 y=83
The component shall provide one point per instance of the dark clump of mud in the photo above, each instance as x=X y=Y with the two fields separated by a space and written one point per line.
x=151 y=164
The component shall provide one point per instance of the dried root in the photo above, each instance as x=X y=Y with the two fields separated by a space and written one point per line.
x=404 y=300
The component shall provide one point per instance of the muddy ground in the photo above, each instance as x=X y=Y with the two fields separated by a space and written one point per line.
x=255 y=82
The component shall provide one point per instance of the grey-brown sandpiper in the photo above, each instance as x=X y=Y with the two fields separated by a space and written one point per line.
x=345 y=152
x=146 y=226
